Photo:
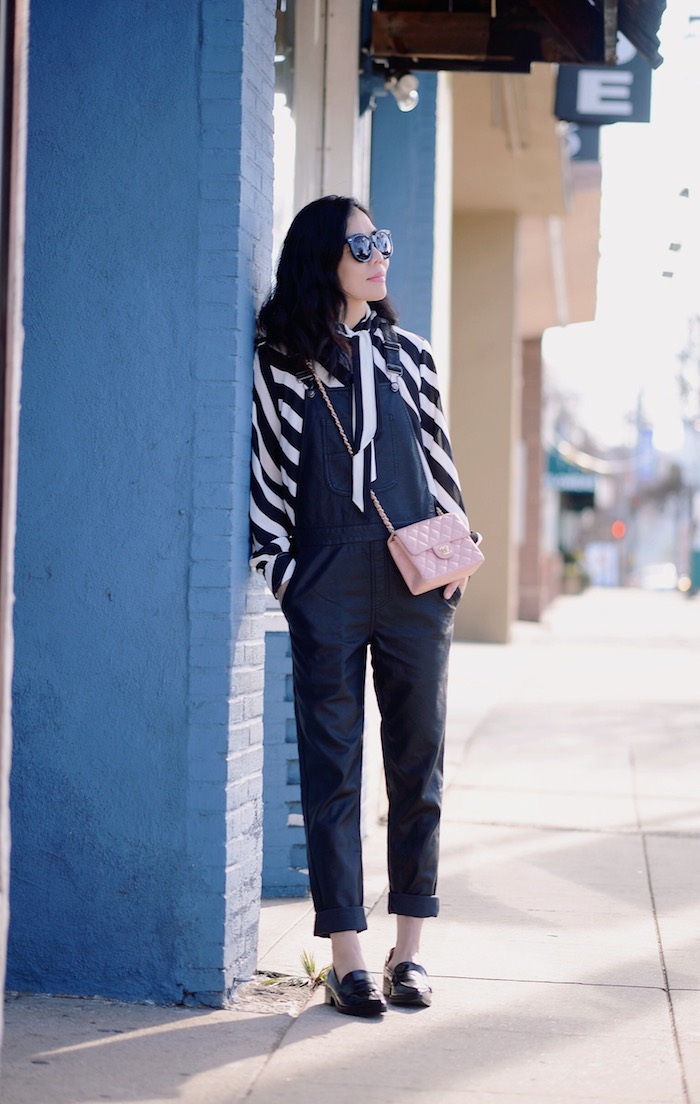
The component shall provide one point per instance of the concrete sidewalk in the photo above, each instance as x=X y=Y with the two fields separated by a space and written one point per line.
x=566 y=960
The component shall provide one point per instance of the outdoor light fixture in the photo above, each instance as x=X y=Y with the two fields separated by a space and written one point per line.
x=404 y=89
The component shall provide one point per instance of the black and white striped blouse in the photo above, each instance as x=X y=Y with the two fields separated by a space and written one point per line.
x=278 y=417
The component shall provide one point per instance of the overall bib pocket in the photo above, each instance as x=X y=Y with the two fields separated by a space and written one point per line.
x=337 y=469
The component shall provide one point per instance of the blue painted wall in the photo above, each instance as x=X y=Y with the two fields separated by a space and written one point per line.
x=402 y=192
x=136 y=788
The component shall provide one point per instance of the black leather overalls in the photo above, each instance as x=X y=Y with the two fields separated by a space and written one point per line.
x=345 y=594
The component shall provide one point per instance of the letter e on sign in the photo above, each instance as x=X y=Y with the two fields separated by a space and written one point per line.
x=602 y=92
x=596 y=96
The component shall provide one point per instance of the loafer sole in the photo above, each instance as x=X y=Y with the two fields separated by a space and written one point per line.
x=364 y=1010
x=418 y=1000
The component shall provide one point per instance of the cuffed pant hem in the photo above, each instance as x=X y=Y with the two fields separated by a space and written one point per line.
x=405 y=904
x=340 y=919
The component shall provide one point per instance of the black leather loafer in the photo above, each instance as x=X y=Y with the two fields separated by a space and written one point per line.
x=407 y=983
x=356 y=995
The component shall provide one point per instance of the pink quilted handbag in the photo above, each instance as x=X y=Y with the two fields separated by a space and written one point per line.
x=430 y=553
x=434 y=552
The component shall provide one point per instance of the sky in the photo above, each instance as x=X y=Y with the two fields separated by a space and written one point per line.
x=628 y=356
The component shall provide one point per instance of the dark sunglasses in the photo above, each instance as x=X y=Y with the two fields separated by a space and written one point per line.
x=361 y=245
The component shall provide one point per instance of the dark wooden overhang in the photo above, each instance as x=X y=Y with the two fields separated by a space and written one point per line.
x=508 y=35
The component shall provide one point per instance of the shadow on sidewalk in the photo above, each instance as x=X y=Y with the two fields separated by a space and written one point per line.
x=61 y=1050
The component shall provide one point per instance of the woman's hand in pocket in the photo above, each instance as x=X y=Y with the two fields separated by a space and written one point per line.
x=452 y=587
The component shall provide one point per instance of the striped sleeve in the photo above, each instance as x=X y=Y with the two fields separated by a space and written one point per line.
x=278 y=405
x=423 y=396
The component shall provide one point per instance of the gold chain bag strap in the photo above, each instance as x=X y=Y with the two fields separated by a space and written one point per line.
x=430 y=553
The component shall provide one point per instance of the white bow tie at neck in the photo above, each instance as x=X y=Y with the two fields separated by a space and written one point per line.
x=364 y=421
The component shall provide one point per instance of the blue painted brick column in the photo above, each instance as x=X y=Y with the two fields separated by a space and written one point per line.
x=136 y=791
x=285 y=872
x=226 y=608
x=402 y=191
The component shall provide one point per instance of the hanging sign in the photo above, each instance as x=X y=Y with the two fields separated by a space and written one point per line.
x=583 y=142
x=598 y=95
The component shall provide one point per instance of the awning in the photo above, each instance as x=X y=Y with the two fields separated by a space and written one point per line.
x=562 y=475
x=639 y=21
x=508 y=35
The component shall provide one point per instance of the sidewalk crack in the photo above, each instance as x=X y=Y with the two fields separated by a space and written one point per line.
x=659 y=942
x=293 y=1017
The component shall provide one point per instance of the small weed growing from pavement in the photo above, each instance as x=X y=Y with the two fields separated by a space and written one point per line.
x=311 y=976
x=316 y=977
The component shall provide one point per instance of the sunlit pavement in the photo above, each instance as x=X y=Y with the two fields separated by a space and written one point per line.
x=566 y=959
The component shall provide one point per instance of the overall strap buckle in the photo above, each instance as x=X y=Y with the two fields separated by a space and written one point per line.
x=306 y=375
x=392 y=355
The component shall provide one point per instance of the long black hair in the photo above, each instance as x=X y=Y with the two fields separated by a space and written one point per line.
x=302 y=311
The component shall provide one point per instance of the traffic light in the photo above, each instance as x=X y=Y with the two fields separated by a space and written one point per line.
x=618 y=529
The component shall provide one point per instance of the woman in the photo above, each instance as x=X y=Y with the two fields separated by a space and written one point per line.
x=321 y=545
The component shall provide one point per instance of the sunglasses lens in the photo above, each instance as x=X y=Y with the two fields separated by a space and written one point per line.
x=360 y=247
x=382 y=240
